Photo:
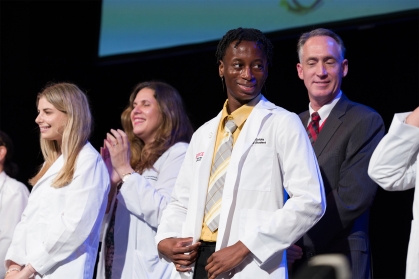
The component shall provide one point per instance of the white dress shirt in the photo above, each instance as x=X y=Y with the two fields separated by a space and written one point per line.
x=325 y=110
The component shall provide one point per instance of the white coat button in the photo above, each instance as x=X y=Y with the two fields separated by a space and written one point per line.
x=210 y=134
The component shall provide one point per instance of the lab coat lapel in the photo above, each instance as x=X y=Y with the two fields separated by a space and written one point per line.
x=247 y=136
x=52 y=171
x=199 y=193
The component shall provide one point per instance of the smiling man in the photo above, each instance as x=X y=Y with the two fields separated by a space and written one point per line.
x=344 y=135
x=229 y=216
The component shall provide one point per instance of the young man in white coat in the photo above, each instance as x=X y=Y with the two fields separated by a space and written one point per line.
x=229 y=216
x=394 y=166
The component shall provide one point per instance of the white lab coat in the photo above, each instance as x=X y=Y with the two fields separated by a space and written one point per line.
x=394 y=166
x=59 y=231
x=13 y=199
x=271 y=157
x=141 y=200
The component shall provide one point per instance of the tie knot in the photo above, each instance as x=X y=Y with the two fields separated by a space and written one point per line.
x=230 y=126
x=315 y=116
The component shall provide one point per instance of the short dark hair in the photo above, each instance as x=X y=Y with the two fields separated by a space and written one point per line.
x=319 y=32
x=244 y=34
x=10 y=168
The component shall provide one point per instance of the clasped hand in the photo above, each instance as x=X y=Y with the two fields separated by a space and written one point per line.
x=180 y=251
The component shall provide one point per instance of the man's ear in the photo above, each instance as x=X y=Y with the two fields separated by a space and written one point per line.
x=300 y=71
x=344 y=67
x=221 y=68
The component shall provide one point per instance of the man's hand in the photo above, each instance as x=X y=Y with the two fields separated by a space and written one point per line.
x=226 y=259
x=179 y=251
x=294 y=253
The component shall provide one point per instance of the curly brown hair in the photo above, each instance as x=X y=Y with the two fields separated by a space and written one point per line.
x=175 y=125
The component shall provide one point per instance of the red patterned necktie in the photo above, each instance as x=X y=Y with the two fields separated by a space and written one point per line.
x=313 y=127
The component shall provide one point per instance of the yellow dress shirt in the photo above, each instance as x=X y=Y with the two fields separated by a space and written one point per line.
x=239 y=117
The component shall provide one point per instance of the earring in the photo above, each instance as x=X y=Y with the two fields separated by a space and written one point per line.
x=222 y=82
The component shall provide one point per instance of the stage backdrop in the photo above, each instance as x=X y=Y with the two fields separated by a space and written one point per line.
x=140 y=25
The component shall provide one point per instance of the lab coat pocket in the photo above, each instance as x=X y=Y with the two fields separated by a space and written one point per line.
x=257 y=169
x=146 y=266
x=43 y=213
x=53 y=202
x=251 y=220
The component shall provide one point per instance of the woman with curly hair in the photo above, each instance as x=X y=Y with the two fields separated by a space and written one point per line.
x=143 y=163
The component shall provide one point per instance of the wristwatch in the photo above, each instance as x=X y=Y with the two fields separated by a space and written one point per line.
x=125 y=176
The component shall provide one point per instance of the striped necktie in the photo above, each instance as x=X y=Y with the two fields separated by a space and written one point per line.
x=313 y=127
x=217 y=178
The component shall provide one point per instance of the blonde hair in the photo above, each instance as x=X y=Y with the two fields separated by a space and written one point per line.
x=174 y=125
x=69 y=99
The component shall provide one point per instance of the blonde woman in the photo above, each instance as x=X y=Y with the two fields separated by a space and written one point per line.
x=58 y=234
x=144 y=162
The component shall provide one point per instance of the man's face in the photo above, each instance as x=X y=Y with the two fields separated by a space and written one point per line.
x=322 y=69
x=245 y=69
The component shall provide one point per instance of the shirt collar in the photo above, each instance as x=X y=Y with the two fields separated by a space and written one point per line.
x=325 y=110
x=242 y=113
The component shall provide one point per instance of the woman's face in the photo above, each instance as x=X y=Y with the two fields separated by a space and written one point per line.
x=51 y=121
x=145 y=115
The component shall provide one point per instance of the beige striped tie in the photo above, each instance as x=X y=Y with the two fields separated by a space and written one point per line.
x=217 y=179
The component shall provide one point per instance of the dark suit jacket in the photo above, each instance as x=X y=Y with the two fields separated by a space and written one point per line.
x=343 y=149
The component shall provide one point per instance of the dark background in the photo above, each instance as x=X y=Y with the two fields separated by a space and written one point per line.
x=44 y=41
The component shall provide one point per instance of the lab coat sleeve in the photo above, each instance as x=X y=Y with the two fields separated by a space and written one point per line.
x=174 y=216
x=393 y=163
x=302 y=181
x=13 y=202
x=85 y=202
x=147 y=202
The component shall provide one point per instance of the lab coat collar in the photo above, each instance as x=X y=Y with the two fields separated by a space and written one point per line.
x=251 y=129
x=53 y=170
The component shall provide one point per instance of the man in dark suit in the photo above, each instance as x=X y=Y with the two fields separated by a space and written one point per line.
x=344 y=135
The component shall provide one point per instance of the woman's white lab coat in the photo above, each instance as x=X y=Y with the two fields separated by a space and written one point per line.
x=59 y=231
x=141 y=201
x=394 y=166
x=13 y=199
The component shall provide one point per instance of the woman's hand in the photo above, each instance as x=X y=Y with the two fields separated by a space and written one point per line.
x=118 y=147
x=14 y=269
x=413 y=118
x=115 y=179
x=25 y=273
x=104 y=152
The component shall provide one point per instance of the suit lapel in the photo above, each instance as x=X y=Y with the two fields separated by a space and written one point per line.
x=304 y=116
x=332 y=124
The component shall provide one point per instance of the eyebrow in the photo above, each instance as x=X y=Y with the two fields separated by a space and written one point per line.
x=322 y=58
x=241 y=59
